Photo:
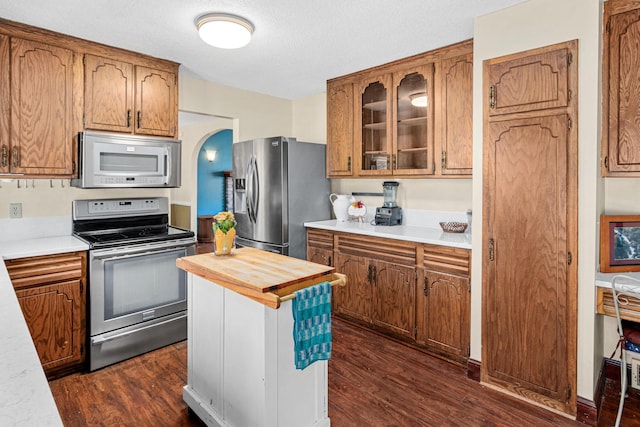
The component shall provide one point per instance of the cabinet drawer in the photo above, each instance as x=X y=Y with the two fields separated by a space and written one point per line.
x=389 y=250
x=320 y=239
x=447 y=260
x=605 y=305
x=36 y=271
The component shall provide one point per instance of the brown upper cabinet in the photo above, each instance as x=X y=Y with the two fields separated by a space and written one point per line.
x=395 y=137
x=409 y=118
x=340 y=129
x=37 y=136
x=548 y=84
x=123 y=97
x=457 y=115
x=620 y=108
x=46 y=91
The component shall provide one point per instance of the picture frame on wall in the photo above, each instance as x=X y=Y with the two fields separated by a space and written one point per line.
x=619 y=243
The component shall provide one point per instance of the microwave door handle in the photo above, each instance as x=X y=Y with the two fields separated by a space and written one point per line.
x=167 y=164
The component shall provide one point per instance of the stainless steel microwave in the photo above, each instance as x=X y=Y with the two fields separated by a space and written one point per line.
x=108 y=160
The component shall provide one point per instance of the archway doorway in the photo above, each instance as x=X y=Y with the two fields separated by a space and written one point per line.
x=214 y=165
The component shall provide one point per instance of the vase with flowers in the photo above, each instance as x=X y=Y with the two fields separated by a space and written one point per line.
x=224 y=233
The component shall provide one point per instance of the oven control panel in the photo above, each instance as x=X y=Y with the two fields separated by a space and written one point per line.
x=119 y=208
x=132 y=205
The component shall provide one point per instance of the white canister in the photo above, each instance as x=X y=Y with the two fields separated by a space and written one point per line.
x=341 y=203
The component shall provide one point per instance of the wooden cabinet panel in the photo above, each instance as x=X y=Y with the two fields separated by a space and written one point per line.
x=457 y=115
x=340 y=120
x=108 y=94
x=443 y=324
x=42 y=107
x=394 y=298
x=156 y=102
x=621 y=73
x=54 y=315
x=525 y=284
x=355 y=299
x=5 y=104
x=51 y=293
x=537 y=81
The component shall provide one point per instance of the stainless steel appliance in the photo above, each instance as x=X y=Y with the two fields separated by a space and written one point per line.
x=109 y=160
x=389 y=213
x=279 y=184
x=137 y=295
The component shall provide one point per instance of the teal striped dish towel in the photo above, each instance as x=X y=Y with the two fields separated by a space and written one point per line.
x=312 y=324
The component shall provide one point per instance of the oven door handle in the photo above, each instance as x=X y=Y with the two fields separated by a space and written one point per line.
x=101 y=339
x=126 y=253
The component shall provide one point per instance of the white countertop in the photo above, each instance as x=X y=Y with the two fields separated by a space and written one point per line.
x=410 y=233
x=604 y=280
x=25 y=396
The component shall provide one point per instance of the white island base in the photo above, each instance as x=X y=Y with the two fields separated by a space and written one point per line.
x=241 y=370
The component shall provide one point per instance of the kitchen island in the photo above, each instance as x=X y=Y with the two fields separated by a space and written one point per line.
x=241 y=369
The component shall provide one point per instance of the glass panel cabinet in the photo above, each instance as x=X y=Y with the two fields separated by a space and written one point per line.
x=375 y=129
x=396 y=127
x=413 y=121
x=410 y=118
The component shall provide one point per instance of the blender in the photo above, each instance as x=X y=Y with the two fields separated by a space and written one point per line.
x=389 y=213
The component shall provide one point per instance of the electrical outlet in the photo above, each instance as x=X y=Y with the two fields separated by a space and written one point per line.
x=15 y=210
x=635 y=373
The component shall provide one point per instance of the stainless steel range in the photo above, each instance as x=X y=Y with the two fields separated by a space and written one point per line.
x=137 y=295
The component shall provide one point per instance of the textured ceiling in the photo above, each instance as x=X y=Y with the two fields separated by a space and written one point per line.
x=297 y=44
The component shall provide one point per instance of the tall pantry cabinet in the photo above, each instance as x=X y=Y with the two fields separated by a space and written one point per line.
x=530 y=225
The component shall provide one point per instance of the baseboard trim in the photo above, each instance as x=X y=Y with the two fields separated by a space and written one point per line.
x=473 y=370
x=586 y=411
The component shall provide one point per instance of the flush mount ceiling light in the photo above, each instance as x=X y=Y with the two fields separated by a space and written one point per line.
x=224 y=31
x=418 y=99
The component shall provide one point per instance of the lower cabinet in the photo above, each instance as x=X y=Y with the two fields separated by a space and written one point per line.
x=414 y=292
x=51 y=292
x=444 y=305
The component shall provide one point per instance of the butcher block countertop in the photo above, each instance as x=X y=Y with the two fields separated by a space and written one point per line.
x=260 y=275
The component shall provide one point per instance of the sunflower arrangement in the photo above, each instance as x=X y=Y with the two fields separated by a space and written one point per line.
x=224 y=221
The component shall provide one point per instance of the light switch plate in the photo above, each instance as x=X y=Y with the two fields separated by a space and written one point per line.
x=15 y=210
x=635 y=373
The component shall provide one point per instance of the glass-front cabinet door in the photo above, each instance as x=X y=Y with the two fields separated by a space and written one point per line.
x=374 y=132
x=413 y=121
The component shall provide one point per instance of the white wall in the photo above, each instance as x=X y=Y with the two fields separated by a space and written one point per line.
x=50 y=198
x=257 y=115
x=529 y=25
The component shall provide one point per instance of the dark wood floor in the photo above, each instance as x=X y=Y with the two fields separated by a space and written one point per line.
x=373 y=381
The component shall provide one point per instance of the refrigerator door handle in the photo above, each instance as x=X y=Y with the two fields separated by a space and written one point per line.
x=249 y=190
x=255 y=186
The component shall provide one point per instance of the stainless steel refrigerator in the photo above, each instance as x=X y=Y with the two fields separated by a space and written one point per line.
x=279 y=184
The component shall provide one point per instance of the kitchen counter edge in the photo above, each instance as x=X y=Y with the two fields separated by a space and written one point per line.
x=433 y=236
